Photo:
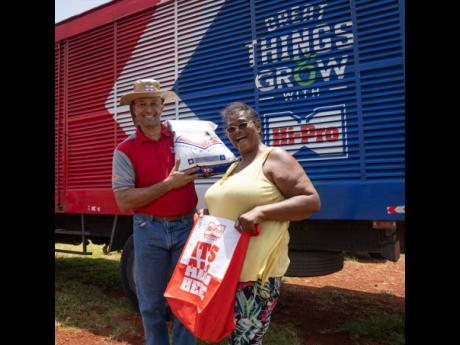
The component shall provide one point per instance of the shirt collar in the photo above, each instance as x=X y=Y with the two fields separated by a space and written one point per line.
x=143 y=138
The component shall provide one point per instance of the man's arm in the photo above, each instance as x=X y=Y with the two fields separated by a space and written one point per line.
x=131 y=198
x=128 y=199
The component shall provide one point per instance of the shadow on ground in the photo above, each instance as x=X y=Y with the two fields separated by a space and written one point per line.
x=89 y=296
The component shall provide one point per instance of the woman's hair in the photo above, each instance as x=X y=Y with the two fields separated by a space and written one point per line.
x=236 y=108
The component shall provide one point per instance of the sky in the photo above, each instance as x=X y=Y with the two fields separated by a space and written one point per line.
x=64 y=9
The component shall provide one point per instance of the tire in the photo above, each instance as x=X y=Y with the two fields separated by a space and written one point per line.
x=311 y=264
x=127 y=273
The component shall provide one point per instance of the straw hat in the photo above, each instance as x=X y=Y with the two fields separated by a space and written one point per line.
x=147 y=88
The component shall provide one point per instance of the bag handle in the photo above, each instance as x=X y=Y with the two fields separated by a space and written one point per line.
x=254 y=233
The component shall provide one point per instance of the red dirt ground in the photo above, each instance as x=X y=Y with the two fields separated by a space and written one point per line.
x=316 y=306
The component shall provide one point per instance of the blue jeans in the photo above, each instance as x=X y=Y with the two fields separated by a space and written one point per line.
x=157 y=247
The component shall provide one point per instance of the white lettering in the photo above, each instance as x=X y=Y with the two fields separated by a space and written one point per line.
x=284 y=48
x=250 y=46
x=283 y=18
x=267 y=49
x=300 y=94
x=186 y=284
x=300 y=42
x=307 y=14
x=339 y=70
x=194 y=287
x=295 y=15
x=348 y=34
x=269 y=83
x=321 y=11
x=204 y=277
x=324 y=44
x=270 y=22
x=286 y=78
x=191 y=271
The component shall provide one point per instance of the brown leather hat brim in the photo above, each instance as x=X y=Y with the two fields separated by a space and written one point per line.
x=168 y=96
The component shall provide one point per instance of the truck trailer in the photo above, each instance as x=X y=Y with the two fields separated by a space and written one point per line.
x=326 y=78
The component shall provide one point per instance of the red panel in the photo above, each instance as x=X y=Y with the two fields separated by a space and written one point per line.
x=91 y=64
x=59 y=123
x=101 y=15
x=91 y=201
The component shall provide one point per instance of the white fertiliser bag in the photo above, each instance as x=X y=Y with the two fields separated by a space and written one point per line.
x=197 y=145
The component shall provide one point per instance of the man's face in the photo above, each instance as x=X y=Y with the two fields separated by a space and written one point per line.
x=147 y=112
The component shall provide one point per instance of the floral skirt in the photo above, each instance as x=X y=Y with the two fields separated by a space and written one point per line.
x=254 y=304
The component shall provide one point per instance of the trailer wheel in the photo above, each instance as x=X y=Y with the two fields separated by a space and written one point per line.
x=311 y=264
x=127 y=272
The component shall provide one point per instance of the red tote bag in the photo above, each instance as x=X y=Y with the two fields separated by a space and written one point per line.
x=201 y=291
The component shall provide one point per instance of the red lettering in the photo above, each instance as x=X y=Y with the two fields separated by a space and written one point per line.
x=212 y=256
x=308 y=131
x=293 y=135
x=319 y=134
x=283 y=136
x=192 y=262
x=288 y=135
x=332 y=134
x=195 y=249
x=204 y=249
x=276 y=136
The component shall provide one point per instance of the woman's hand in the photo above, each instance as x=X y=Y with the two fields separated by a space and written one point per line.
x=247 y=221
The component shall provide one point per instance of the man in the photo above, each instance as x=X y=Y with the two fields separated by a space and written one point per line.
x=146 y=180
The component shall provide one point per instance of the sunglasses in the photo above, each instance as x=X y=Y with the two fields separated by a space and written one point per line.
x=240 y=126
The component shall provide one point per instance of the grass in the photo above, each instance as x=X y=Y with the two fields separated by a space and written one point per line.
x=389 y=328
x=88 y=292
x=88 y=295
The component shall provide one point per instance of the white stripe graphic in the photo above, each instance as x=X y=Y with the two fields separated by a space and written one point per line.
x=162 y=63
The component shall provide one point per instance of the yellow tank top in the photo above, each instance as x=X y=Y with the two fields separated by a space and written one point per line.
x=233 y=195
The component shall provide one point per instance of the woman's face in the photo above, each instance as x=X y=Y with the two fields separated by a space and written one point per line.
x=243 y=132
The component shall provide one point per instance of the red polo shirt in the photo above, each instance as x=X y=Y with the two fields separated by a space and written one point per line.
x=141 y=162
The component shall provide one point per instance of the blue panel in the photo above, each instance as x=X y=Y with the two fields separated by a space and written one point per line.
x=327 y=79
x=360 y=202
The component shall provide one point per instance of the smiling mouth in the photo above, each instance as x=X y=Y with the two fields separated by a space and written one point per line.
x=239 y=139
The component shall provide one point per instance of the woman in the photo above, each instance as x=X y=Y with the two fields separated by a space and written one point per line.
x=264 y=186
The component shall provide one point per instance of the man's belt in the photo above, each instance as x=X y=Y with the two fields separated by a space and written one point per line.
x=170 y=218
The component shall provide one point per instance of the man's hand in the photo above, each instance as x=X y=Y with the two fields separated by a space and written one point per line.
x=203 y=212
x=177 y=179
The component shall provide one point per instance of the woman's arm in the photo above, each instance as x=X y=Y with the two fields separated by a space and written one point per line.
x=287 y=174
